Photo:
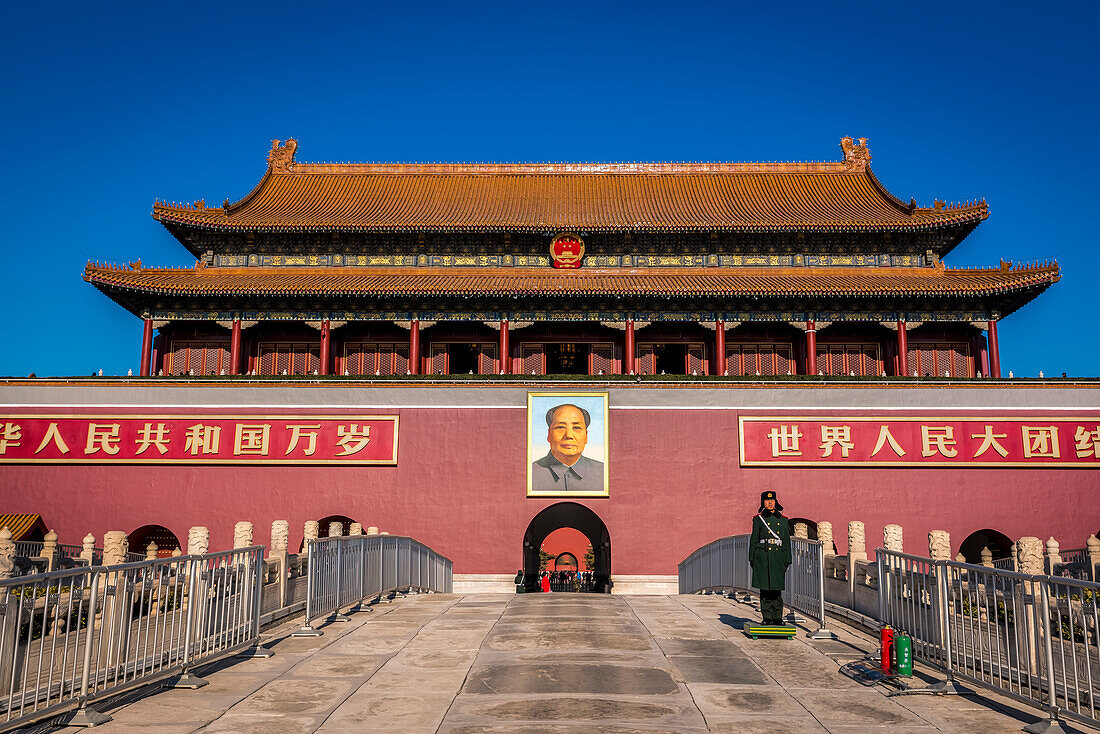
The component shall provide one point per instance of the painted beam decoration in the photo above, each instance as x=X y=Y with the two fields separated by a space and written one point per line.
x=196 y=438
x=994 y=441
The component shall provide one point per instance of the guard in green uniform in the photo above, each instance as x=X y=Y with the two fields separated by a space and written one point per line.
x=770 y=555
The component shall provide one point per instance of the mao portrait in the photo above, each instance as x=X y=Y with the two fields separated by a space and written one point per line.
x=567 y=444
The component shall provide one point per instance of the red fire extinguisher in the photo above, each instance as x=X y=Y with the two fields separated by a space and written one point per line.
x=886 y=653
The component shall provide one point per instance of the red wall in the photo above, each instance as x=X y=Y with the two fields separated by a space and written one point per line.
x=459 y=487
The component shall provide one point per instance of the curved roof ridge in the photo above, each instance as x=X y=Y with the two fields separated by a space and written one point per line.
x=579 y=167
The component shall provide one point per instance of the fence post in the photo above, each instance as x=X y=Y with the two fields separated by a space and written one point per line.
x=1029 y=560
x=85 y=715
x=185 y=679
x=822 y=632
x=943 y=600
x=939 y=550
x=308 y=630
x=1051 y=725
x=256 y=650
x=115 y=547
x=361 y=541
x=338 y=589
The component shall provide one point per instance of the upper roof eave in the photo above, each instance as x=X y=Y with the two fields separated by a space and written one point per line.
x=681 y=282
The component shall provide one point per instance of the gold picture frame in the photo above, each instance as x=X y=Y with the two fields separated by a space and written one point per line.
x=547 y=475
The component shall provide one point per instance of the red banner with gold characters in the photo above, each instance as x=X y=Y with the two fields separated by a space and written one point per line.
x=197 y=438
x=843 y=440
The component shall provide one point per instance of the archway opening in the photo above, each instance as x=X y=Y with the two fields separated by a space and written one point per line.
x=165 y=539
x=325 y=523
x=566 y=562
x=580 y=518
x=999 y=544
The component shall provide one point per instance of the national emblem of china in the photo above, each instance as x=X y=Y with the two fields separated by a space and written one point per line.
x=567 y=251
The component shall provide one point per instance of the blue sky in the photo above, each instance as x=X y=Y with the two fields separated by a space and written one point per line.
x=108 y=107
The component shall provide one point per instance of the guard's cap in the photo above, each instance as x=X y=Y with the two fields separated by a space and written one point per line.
x=769 y=494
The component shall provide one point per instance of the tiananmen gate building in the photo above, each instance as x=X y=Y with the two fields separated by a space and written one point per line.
x=479 y=355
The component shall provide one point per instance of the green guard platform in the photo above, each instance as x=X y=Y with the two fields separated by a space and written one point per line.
x=756 y=631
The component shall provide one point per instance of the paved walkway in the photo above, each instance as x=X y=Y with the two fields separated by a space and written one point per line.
x=553 y=663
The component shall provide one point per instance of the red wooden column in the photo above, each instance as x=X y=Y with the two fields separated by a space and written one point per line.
x=811 y=348
x=628 y=350
x=505 y=352
x=903 y=350
x=235 y=349
x=326 y=346
x=146 y=348
x=414 y=347
x=720 y=347
x=994 y=350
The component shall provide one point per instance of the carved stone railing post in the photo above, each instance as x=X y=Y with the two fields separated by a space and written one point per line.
x=198 y=540
x=176 y=553
x=372 y=530
x=7 y=554
x=49 y=550
x=312 y=530
x=800 y=530
x=1029 y=555
x=892 y=539
x=825 y=535
x=279 y=558
x=1054 y=556
x=1029 y=560
x=1092 y=545
x=939 y=545
x=987 y=557
x=242 y=535
x=857 y=555
x=939 y=549
x=115 y=547
x=335 y=529
x=87 y=551
x=151 y=551
x=355 y=529
x=280 y=536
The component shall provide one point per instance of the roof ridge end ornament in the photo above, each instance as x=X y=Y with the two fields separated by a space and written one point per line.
x=280 y=159
x=857 y=156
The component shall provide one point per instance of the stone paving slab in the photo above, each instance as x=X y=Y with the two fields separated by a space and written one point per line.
x=545 y=663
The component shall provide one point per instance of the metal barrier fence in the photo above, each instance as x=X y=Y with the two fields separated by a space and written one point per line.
x=724 y=564
x=348 y=570
x=1076 y=563
x=1034 y=638
x=70 y=638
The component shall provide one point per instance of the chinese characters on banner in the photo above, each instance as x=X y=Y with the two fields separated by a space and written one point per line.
x=935 y=441
x=198 y=439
